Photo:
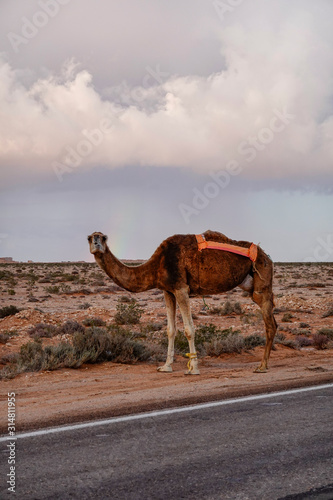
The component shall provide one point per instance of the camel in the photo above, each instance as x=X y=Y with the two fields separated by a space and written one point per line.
x=183 y=267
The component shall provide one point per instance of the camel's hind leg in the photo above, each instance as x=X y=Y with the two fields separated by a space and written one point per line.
x=183 y=299
x=170 y=303
x=263 y=296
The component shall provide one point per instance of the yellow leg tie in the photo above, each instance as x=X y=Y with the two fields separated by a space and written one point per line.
x=191 y=355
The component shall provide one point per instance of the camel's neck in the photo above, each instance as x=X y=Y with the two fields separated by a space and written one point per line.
x=133 y=279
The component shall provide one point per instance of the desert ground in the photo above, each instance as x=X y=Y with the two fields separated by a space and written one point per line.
x=58 y=293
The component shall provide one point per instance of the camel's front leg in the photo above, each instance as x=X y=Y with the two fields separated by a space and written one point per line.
x=170 y=303
x=183 y=299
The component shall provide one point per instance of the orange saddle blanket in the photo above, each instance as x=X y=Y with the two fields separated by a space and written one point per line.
x=250 y=252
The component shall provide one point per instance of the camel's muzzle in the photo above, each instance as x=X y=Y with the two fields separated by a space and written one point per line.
x=96 y=245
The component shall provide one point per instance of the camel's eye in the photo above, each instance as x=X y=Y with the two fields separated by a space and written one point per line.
x=89 y=239
x=104 y=238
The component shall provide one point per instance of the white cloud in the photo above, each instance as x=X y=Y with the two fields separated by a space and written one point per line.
x=191 y=121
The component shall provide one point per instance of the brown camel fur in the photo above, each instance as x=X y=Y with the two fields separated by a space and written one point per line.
x=179 y=269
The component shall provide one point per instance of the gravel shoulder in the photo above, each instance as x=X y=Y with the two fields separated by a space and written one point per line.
x=98 y=391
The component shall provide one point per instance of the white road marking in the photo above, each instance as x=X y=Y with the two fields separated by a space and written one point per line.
x=271 y=404
x=158 y=413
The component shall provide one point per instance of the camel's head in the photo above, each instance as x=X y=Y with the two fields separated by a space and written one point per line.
x=97 y=242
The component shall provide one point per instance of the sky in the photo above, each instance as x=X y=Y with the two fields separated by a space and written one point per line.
x=153 y=118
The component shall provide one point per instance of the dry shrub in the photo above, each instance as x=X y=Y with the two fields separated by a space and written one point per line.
x=128 y=314
x=31 y=356
x=89 y=346
x=320 y=341
x=92 y=345
x=126 y=299
x=52 y=289
x=8 y=372
x=4 y=337
x=71 y=327
x=204 y=335
x=232 y=343
x=8 y=311
x=327 y=331
x=303 y=341
x=212 y=341
x=287 y=317
x=57 y=356
x=252 y=341
x=124 y=348
x=280 y=338
x=328 y=313
x=227 y=309
x=85 y=305
x=149 y=329
x=43 y=330
x=93 y=322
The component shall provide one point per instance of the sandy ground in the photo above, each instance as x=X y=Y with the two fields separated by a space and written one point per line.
x=110 y=389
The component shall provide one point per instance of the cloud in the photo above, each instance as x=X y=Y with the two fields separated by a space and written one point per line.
x=269 y=108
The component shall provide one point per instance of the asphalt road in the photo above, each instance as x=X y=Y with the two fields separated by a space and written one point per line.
x=271 y=448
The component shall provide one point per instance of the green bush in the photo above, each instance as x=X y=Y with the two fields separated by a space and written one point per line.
x=252 y=341
x=8 y=311
x=203 y=334
x=128 y=314
x=287 y=317
x=328 y=332
x=52 y=289
x=93 y=322
x=231 y=343
x=124 y=348
x=57 y=356
x=208 y=339
x=4 y=274
x=84 y=306
x=181 y=343
x=31 y=356
x=280 y=338
x=150 y=328
x=126 y=299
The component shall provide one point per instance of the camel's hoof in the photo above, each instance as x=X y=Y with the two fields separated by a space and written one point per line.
x=193 y=372
x=164 y=368
x=260 y=370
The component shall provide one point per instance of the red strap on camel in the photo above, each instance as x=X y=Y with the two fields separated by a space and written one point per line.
x=251 y=252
